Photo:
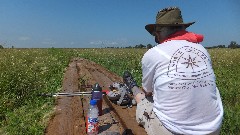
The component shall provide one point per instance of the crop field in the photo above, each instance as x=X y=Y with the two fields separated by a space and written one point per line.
x=25 y=73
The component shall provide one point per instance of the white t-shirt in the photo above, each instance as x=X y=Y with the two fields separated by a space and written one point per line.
x=180 y=75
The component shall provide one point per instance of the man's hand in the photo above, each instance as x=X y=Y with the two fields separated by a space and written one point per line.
x=147 y=94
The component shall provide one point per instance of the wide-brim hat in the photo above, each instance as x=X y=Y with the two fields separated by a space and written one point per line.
x=168 y=17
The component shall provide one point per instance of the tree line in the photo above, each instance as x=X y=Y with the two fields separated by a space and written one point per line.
x=232 y=45
x=148 y=46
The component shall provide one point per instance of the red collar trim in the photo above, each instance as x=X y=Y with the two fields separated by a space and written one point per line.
x=185 y=35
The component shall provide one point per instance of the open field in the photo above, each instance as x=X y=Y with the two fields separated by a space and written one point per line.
x=27 y=72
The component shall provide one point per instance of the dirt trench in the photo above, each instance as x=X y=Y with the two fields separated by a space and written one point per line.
x=70 y=112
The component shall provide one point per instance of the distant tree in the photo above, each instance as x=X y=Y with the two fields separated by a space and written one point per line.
x=1 y=47
x=137 y=46
x=149 y=46
x=218 y=46
x=140 y=46
x=207 y=47
x=233 y=45
x=221 y=46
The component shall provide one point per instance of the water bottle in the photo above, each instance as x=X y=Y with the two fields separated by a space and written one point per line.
x=97 y=95
x=92 y=118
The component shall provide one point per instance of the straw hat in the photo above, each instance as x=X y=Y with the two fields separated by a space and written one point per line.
x=168 y=17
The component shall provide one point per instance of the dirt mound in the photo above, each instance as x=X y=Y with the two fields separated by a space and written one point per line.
x=70 y=112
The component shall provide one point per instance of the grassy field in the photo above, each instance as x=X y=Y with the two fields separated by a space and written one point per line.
x=27 y=72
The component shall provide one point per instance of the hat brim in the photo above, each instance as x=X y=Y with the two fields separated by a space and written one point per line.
x=150 y=27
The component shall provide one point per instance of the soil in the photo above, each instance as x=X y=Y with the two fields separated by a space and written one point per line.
x=70 y=112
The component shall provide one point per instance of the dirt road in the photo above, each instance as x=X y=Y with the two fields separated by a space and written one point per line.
x=70 y=112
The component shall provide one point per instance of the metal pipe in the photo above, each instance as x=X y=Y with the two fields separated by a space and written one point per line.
x=68 y=94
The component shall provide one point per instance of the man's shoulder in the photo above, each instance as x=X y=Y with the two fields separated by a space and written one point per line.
x=179 y=44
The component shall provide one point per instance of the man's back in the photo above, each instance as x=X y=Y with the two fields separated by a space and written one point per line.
x=183 y=82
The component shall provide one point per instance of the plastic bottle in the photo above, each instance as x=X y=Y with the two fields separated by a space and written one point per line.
x=92 y=118
x=97 y=95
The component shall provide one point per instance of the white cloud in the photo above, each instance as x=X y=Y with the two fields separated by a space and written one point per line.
x=96 y=42
x=49 y=42
x=24 y=38
x=103 y=43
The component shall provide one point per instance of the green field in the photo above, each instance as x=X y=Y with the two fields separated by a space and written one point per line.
x=27 y=72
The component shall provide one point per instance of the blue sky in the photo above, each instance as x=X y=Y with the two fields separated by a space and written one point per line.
x=116 y=23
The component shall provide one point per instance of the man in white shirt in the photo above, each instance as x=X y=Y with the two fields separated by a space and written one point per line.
x=179 y=90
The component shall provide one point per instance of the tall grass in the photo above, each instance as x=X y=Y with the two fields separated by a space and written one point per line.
x=24 y=74
x=226 y=64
